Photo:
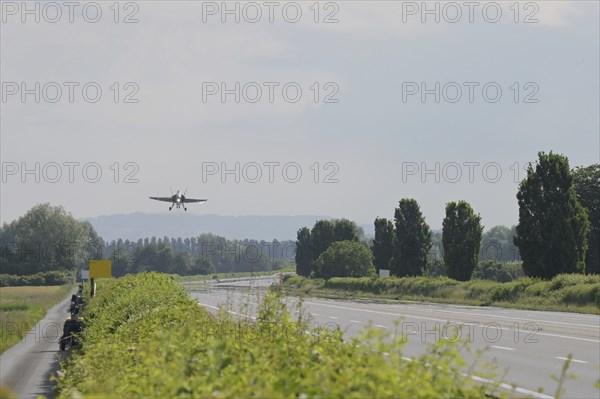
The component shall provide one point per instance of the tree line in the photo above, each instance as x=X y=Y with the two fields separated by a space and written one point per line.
x=558 y=232
x=47 y=239
x=205 y=254
x=333 y=248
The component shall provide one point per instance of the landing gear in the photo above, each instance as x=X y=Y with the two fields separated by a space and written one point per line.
x=170 y=207
x=184 y=208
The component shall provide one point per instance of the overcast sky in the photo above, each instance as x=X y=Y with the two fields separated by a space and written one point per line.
x=392 y=105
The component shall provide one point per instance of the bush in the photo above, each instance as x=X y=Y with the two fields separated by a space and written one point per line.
x=561 y=293
x=582 y=294
x=495 y=270
x=510 y=292
x=42 y=278
x=565 y=280
x=345 y=259
x=435 y=268
x=413 y=286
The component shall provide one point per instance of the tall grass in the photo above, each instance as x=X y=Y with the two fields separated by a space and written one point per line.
x=572 y=292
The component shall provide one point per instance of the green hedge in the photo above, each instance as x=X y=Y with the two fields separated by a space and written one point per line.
x=565 y=291
x=145 y=337
x=42 y=278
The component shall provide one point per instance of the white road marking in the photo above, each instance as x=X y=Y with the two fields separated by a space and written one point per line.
x=381 y=326
x=503 y=347
x=333 y=317
x=502 y=385
x=573 y=360
x=511 y=388
x=505 y=386
x=229 y=311
x=240 y=314
x=444 y=321
x=513 y=318
x=355 y=321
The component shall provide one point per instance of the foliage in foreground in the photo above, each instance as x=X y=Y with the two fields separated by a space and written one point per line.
x=144 y=337
x=564 y=292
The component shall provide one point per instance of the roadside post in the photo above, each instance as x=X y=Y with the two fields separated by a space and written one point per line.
x=99 y=269
x=84 y=275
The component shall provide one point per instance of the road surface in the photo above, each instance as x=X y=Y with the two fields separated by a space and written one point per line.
x=26 y=368
x=530 y=345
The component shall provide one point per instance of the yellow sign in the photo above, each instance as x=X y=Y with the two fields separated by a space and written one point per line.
x=100 y=268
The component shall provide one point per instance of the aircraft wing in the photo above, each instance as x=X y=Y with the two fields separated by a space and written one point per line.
x=165 y=199
x=194 y=200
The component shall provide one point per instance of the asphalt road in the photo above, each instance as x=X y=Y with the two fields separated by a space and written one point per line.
x=530 y=346
x=26 y=368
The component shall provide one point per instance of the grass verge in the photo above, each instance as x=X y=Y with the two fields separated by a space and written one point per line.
x=566 y=292
x=221 y=276
x=22 y=307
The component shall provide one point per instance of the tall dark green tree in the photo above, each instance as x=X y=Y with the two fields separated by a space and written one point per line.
x=345 y=230
x=304 y=253
x=94 y=242
x=120 y=257
x=165 y=258
x=383 y=244
x=587 y=188
x=322 y=236
x=553 y=226
x=182 y=264
x=461 y=237
x=203 y=266
x=146 y=260
x=412 y=240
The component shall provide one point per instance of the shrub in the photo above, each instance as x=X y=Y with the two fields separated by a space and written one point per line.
x=498 y=271
x=582 y=294
x=345 y=259
x=42 y=278
x=563 y=291
x=564 y=280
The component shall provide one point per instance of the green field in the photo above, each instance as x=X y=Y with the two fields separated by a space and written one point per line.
x=566 y=292
x=22 y=307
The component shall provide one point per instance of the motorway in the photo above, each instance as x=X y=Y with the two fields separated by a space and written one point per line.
x=26 y=368
x=530 y=346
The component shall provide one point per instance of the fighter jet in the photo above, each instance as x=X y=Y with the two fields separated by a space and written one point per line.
x=178 y=199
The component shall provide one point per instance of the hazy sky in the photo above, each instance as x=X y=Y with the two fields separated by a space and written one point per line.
x=390 y=101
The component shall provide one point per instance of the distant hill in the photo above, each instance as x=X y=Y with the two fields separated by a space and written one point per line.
x=133 y=226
